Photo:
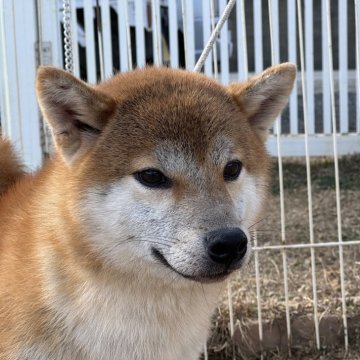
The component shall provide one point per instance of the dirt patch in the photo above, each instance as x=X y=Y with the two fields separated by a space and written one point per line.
x=331 y=332
x=299 y=265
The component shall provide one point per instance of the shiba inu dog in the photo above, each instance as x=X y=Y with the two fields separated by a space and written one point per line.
x=119 y=246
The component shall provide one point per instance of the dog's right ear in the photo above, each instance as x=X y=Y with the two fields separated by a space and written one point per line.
x=76 y=112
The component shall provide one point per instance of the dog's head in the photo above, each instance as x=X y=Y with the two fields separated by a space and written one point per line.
x=168 y=169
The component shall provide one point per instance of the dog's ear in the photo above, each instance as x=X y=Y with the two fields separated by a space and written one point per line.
x=75 y=111
x=263 y=97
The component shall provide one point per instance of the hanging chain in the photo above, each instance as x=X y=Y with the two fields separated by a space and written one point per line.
x=67 y=36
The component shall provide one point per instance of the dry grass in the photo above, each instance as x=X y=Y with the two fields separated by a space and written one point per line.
x=298 y=260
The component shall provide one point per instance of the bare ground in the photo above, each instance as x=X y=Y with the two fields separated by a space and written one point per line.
x=298 y=264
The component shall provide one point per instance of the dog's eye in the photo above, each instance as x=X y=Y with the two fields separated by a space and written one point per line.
x=152 y=178
x=232 y=170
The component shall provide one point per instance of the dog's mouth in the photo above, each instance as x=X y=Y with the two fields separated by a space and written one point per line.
x=208 y=278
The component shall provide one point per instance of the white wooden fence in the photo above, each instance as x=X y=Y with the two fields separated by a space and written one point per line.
x=100 y=50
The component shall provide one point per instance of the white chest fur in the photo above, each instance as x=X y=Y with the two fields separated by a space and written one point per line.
x=133 y=320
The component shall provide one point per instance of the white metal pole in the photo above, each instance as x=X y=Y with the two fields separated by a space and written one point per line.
x=231 y=315
x=307 y=246
x=274 y=58
x=258 y=292
x=308 y=174
x=337 y=184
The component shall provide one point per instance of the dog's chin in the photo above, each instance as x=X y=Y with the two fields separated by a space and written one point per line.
x=209 y=277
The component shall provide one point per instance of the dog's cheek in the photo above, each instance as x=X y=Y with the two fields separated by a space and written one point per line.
x=248 y=195
x=119 y=215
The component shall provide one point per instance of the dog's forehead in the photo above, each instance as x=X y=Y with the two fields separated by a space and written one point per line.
x=175 y=157
x=183 y=109
x=170 y=100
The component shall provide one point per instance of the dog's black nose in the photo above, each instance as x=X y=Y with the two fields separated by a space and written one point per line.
x=225 y=246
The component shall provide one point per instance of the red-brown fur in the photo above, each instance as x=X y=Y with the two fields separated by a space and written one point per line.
x=38 y=211
x=11 y=168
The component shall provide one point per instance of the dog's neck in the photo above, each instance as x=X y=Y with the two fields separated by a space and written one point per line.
x=147 y=310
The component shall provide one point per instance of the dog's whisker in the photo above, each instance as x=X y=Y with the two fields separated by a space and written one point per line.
x=259 y=221
x=146 y=241
x=262 y=230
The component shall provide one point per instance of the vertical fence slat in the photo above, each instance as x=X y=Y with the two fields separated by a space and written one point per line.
x=189 y=33
x=275 y=50
x=224 y=47
x=139 y=33
x=124 y=59
x=18 y=68
x=128 y=35
x=50 y=15
x=357 y=45
x=309 y=63
x=326 y=109
x=206 y=34
x=11 y=121
x=26 y=69
x=215 y=55
x=173 y=34
x=258 y=30
x=156 y=32
x=343 y=68
x=106 y=35
x=50 y=18
x=99 y=36
x=292 y=42
x=242 y=57
x=90 y=41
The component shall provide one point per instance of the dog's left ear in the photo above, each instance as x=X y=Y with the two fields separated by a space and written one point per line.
x=264 y=96
x=75 y=111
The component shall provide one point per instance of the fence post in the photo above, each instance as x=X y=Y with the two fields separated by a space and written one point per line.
x=19 y=111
